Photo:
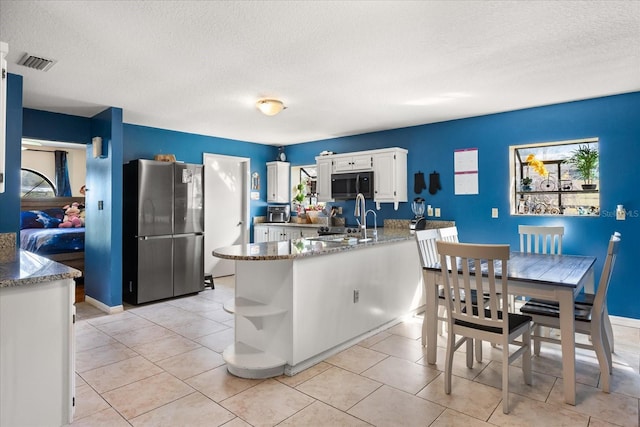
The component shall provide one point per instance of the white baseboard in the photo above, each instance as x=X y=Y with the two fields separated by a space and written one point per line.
x=625 y=321
x=103 y=307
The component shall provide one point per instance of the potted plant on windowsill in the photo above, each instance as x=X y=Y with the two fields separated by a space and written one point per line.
x=585 y=160
x=525 y=184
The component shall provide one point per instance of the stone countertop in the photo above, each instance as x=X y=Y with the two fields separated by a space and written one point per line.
x=299 y=248
x=288 y=224
x=28 y=268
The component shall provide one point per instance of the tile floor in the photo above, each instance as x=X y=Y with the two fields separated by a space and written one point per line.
x=161 y=365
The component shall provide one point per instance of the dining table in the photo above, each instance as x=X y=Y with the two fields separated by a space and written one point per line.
x=551 y=277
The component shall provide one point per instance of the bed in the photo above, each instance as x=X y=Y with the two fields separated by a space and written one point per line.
x=40 y=232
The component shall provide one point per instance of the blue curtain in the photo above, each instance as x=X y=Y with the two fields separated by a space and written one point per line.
x=63 y=187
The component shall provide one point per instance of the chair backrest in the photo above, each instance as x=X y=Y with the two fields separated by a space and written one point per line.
x=541 y=239
x=469 y=258
x=600 y=300
x=426 y=240
x=448 y=234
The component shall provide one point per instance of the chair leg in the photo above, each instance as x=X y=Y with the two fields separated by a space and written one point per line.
x=537 y=330
x=609 y=329
x=448 y=364
x=424 y=329
x=505 y=377
x=441 y=310
x=478 y=345
x=526 y=358
x=469 y=352
x=599 y=346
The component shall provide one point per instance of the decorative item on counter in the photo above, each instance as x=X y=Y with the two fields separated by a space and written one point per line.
x=418 y=182
x=326 y=153
x=165 y=158
x=300 y=195
x=585 y=160
x=434 y=183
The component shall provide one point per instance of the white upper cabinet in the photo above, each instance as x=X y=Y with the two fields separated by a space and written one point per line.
x=324 y=168
x=389 y=166
x=390 y=176
x=355 y=162
x=278 y=176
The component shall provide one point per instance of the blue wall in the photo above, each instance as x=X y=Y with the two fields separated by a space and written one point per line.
x=10 y=199
x=615 y=120
x=144 y=142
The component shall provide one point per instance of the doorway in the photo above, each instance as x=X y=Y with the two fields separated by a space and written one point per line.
x=226 y=207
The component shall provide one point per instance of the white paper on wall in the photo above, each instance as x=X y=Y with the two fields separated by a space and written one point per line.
x=465 y=171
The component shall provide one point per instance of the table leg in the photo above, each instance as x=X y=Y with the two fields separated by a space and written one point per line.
x=567 y=330
x=431 y=316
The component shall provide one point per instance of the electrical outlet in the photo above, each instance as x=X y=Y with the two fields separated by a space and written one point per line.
x=621 y=214
x=494 y=212
x=437 y=212
x=339 y=210
x=356 y=296
x=429 y=210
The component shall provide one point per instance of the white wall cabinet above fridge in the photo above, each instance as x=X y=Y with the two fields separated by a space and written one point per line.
x=278 y=177
x=389 y=166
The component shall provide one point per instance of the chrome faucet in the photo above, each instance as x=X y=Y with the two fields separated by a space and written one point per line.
x=360 y=211
x=375 y=224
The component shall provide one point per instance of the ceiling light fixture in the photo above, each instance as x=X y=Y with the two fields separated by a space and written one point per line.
x=270 y=107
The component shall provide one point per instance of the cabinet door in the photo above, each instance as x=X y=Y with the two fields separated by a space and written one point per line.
x=364 y=162
x=342 y=164
x=261 y=234
x=384 y=180
x=278 y=175
x=324 y=168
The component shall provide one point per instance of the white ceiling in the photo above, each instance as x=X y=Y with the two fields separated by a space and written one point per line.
x=341 y=67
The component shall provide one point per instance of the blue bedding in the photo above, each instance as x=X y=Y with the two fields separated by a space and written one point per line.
x=49 y=241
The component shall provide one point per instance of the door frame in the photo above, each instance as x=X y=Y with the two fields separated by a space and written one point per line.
x=246 y=187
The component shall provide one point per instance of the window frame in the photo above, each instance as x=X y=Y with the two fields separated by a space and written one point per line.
x=514 y=184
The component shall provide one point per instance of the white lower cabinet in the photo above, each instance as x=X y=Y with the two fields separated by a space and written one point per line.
x=277 y=233
x=37 y=354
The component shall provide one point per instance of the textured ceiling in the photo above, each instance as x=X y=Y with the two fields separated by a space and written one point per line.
x=341 y=68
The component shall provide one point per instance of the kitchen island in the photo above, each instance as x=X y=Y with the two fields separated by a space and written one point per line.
x=37 y=334
x=300 y=301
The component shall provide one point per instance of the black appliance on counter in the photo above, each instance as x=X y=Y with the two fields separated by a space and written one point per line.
x=346 y=186
x=163 y=231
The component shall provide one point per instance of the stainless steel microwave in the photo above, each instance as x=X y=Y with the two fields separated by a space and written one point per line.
x=346 y=186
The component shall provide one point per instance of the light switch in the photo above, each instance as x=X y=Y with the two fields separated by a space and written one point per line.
x=429 y=210
x=437 y=212
x=494 y=212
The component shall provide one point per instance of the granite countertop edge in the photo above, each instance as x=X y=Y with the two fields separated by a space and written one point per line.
x=29 y=268
x=302 y=248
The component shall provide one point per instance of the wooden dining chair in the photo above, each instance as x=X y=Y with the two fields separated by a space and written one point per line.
x=493 y=324
x=426 y=241
x=589 y=319
x=448 y=234
x=541 y=239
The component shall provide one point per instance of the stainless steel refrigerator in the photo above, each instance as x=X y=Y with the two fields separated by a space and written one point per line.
x=163 y=227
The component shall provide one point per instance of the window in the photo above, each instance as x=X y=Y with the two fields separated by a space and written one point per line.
x=558 y=178
x=35 y=185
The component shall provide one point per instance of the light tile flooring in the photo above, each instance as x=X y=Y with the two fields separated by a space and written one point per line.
x=161 y=365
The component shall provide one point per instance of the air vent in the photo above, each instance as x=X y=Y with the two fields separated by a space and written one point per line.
x=36 y=62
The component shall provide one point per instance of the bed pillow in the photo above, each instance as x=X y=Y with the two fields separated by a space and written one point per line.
x=55 y=213
x=38 y=219
x=29 y=219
